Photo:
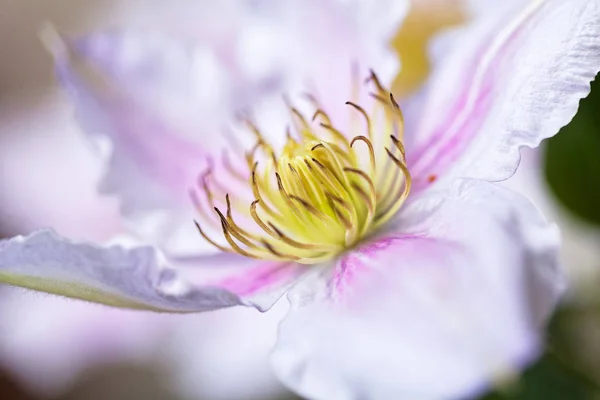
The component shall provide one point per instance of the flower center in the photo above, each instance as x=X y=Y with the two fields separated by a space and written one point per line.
x=322 y=193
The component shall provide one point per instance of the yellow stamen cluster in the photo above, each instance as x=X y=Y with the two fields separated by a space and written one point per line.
x=320 y=194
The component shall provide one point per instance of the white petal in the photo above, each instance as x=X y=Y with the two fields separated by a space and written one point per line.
x=37 y=131
x=157 y=106
x=332 y=58
x=139 y=277
x=449 y=303
x=510 y=79
x=218 y=356
x=225 y=355
x=150 y=162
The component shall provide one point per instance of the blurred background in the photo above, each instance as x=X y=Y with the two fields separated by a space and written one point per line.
x=58 y=349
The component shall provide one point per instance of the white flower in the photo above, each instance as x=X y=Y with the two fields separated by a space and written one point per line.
x=408 y=272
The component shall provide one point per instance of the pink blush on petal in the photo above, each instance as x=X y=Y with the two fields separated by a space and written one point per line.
x=260 y=278
x=354 y=265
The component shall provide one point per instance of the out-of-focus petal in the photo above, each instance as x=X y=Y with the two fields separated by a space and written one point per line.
x=449 y=303
x=132 y=90
x=45 y=341
x=138 y=276
x=513 y=77
x=26 y=64
x=363 y=31
x=48 y=175
x=225 y=355
x=156 y=106
x=328 y=47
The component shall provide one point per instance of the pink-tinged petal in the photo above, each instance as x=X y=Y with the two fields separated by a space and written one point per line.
x=150 y=163
x=333 y=67
x=448 y=303
x=155 y=106
x=109 y=78
x=362 y=29
x=49 y=175
x=139 y=277
x=511 y=78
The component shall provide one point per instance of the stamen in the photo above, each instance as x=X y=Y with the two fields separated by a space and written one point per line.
x=309 y=207
x=337 y=135
x=257 y=195
x=236 y=228
x=207 y=191
x=287 y=199
x=198 y=206
x=400 y=147
x=233 y=171
x=316 y=196
x=291 y=242
x=335 y=166
x=387 y=214
x=373 y=78
x=301 y=118
x=371 y=150
x=321 y=113
x=333 y=199
x=365 y=115
x=232 y=229
x=232 y=243
x=209 y=240
x=362 y=174
x=277 y=253
x=397 y=108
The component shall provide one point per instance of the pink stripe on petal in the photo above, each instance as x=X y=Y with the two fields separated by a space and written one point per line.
x=460 y=127
x=445 y=152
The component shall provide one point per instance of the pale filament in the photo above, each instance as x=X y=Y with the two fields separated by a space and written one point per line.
x=321 y=194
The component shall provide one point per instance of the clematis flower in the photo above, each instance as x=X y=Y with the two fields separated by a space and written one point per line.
x=408 y=272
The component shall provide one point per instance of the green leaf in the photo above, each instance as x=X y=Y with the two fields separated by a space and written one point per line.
x=572 y=160
x=548 y=379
